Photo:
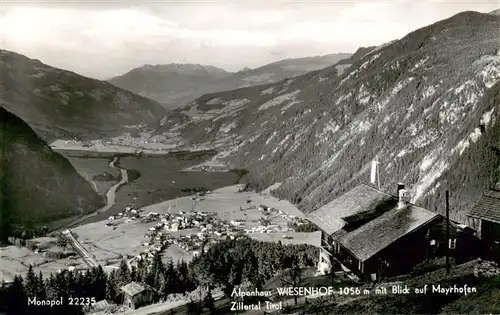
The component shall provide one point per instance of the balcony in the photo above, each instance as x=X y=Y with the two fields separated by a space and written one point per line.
x=327 y=247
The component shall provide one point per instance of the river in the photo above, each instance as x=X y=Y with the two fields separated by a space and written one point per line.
x=110 y=198
x=144 y=181
x=111 y=194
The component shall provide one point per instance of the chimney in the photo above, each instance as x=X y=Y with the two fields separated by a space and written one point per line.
x=400 y=186
x=403 y=195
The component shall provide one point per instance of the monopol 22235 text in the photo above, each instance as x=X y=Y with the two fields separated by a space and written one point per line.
x=71 y=301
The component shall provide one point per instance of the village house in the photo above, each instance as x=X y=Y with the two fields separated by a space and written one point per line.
x=136 y=295
x=485 y=218
x=375 y=235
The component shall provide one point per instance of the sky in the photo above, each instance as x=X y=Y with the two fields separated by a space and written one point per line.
x=102 y=39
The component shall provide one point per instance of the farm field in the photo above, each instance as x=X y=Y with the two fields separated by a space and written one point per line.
x=89 y=167
x=113 y=147
x=162 y=179
x=16 y=260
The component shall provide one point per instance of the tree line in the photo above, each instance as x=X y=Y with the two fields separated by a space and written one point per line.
x=225 y=265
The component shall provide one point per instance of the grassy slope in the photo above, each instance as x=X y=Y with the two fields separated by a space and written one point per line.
x=37 y=184
x=484 y=301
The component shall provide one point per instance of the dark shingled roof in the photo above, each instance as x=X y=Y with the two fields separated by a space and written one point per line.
x=488 y=207
x=374 y=236
x=133 y=288
x=363 y=198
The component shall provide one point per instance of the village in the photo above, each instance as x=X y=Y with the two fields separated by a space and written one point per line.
x=206 y=227
x=176 y=229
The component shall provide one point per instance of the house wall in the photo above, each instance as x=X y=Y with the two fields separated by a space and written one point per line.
x=328 y=260
x=324 y=262
x=491 y=239
x=467 y=245
x=128 y=301
x=413 y=247
x=400 y=257
x=397 y=259
x=348 y=259
x=138 y=300
x=475 y=224
x=327 y=242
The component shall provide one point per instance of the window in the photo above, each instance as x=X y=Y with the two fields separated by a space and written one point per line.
x=433 y=242
x=452 y=243
x=349 y=260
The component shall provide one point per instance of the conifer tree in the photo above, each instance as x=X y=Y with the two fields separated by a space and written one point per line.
x=134 y=275
x=31 y=285
x=209 y=301
x=171 y=280
x=42 y=293
x=18 y=299
x=123 y=273
x=51 y=287
x=293 y=275
x=111 y=290
x=99 y=281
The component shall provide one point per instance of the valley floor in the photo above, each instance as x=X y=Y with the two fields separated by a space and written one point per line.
x=127 y=238
x=109 y=243
x=16 y=260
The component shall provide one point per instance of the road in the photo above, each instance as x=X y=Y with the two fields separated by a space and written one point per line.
x=89 y=260
x=110 y=197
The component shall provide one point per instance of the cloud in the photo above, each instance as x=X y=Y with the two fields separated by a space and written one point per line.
x=107 y=38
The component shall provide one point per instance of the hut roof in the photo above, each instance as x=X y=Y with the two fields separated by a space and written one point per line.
x=379 y=233
x=133 y=288
x=362 y=199
x=488 y=207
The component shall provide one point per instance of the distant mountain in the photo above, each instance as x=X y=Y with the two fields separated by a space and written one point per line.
x=60 y=104
x=496 y=12
x=286 y=68
x=175 y=85
x=425 y=106
x=172 y=84
x=36 y=184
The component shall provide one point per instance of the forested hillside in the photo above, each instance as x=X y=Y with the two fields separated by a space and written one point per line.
x=425 y=106
x=61 y=104
x=36 y=184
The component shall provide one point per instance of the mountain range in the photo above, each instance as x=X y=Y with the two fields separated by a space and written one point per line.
x=423 y=106
x=58 y=103
x=174 y=85
x=37 y=185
